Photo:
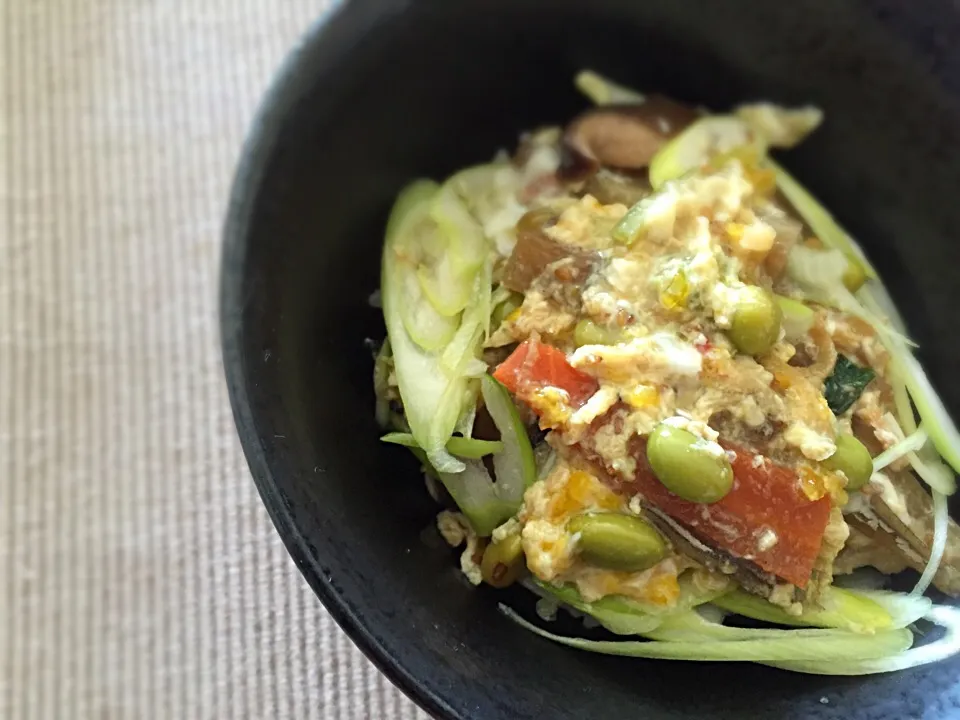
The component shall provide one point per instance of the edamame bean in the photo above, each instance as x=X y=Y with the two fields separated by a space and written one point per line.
x=855 y=275
x=852 y=459
x=503 y=561
x=617 y=542
x=755 y=325
x=686 y=467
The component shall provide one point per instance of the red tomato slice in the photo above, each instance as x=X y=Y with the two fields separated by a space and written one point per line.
x=765 y=518
x=535 y=365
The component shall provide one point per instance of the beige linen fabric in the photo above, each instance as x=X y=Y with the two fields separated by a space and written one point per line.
x=141 y=577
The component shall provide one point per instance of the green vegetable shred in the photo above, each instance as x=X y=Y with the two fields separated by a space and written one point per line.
x=845 y=384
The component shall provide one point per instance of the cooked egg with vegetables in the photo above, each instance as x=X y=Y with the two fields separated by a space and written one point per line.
x=657 y=384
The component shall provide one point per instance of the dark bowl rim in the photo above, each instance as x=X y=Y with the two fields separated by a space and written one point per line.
x=255 y=155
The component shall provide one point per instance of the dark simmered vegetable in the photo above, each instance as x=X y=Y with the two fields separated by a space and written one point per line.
x=535 y=251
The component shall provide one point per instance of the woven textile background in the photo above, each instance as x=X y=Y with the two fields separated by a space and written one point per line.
x=141 y=578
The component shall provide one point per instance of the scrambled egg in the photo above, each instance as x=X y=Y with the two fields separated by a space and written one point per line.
x=658 y=358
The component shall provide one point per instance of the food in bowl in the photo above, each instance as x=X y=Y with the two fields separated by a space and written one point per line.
x=659 y=385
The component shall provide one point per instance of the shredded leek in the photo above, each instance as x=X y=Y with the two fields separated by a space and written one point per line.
x=485 y=502
x=818 y=217
x=819 y=273
x=468 y=245
x=906 y=446
x=603 y=91
x=693 y=147
x=941 y=522
x=476 y=496
x=626 y=616
x=432 y=398
x=840 y=609
x=947 y=646
x=936 y=420
x=516 y=466
x=743 y=645
x=904 y=610
x=464 y=447
x=465 y=344
x=617 y=614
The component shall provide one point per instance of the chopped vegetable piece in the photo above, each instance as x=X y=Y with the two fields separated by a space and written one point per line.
x=846 y=384
x=460 y=446
x=780 y=126
x=535 y=365
x=427 y=327
x=486 y=503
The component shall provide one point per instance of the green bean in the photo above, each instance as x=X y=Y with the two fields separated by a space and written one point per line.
x=686 y=467
x=617 y=542
x=852 y=459
x=755 y=325
x=503 y=561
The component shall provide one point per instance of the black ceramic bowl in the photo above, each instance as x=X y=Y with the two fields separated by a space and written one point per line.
x=383 y=91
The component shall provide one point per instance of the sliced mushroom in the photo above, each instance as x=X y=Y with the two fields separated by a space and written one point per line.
x=875 y=546
x=535 y=251
x=747 y=574
x=621 y=136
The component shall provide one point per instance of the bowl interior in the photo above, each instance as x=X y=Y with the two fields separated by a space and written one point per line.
x=387 y=91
